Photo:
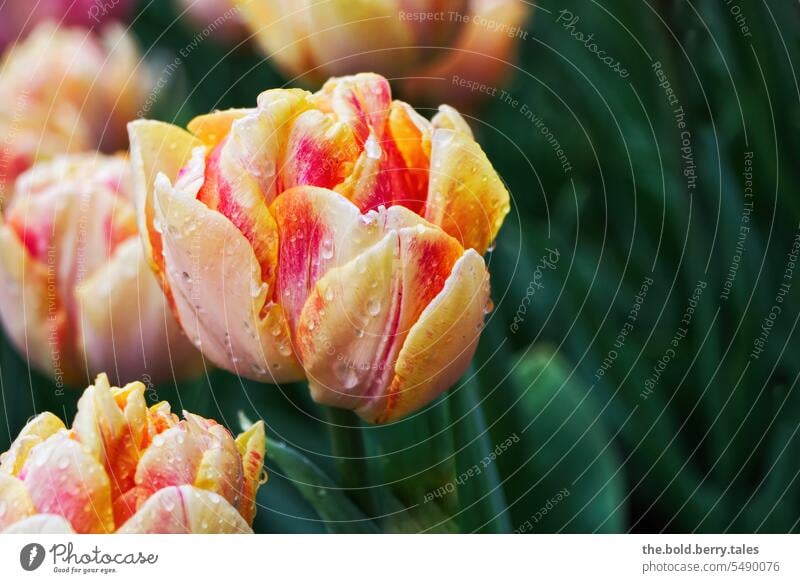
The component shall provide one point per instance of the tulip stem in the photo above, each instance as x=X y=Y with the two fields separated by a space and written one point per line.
x=347 y=446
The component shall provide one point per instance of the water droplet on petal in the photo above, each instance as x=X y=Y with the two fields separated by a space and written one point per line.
x=373 y=307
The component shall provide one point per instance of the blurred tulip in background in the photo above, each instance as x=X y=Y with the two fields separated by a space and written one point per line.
x=424 y=44
x=76 y=294
x=66 y=90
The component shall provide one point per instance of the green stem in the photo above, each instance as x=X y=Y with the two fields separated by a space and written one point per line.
x=347 y=446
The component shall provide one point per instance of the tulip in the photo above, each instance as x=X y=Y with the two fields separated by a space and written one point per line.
x=65 y=91
x=221 y=18
x=76 y=294
x=336 y=236
x=127 y=468
x=18 y=16
x=426 y=43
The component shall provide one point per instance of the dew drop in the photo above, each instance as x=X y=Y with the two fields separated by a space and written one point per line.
x=373 y=307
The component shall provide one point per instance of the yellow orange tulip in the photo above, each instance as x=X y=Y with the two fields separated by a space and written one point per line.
x=423 y=43
x=124 y=467
x=336 y=236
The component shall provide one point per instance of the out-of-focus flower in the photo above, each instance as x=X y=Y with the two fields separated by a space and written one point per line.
x=124 y=467
x=17 y=17
x=340 y=235
x=425 y=43
x=221 y=18
x=66 y=91
x=76 y=294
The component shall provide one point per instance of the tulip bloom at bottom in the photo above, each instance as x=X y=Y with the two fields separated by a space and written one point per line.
x=127 y=468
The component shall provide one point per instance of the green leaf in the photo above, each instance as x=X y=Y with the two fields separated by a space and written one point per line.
x=336 y=509
x=482 y=504
x=566 y=473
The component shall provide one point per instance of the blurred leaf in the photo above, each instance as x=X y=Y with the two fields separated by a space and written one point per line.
x=482 y=504
x=570 y=473
x=336 y=509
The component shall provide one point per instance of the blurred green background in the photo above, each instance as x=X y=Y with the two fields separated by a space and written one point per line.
x=591 y=406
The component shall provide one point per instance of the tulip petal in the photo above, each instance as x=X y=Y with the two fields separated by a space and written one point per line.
x=171 y=459
x=358 y=316
x=185 y=510
x=155 y=148
x=319 y=151
x=448 y=118
x=223 y=304
x=126 y=321
x=35 y=432
x=15 y=502
x=442 y=342
x=111 y=425
x=24 y=282
x=64 y=478
x=318 y=229
x=252 y=445
x=212 y=128
x=362 y=100
x=466 y=196
x=220 y=468
x=41 y=524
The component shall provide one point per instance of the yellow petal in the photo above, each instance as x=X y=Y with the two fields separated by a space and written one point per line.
x=220 y=468
x=442 y=342
x=465 y=196
x=112 y=426
x=212 y=128
x=155 y=148
x=15 y=502
x=252 y=445
x=35 y=432
x=185 y=510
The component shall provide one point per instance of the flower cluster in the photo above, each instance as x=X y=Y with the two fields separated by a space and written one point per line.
x=336 y=236
x=127 y=468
